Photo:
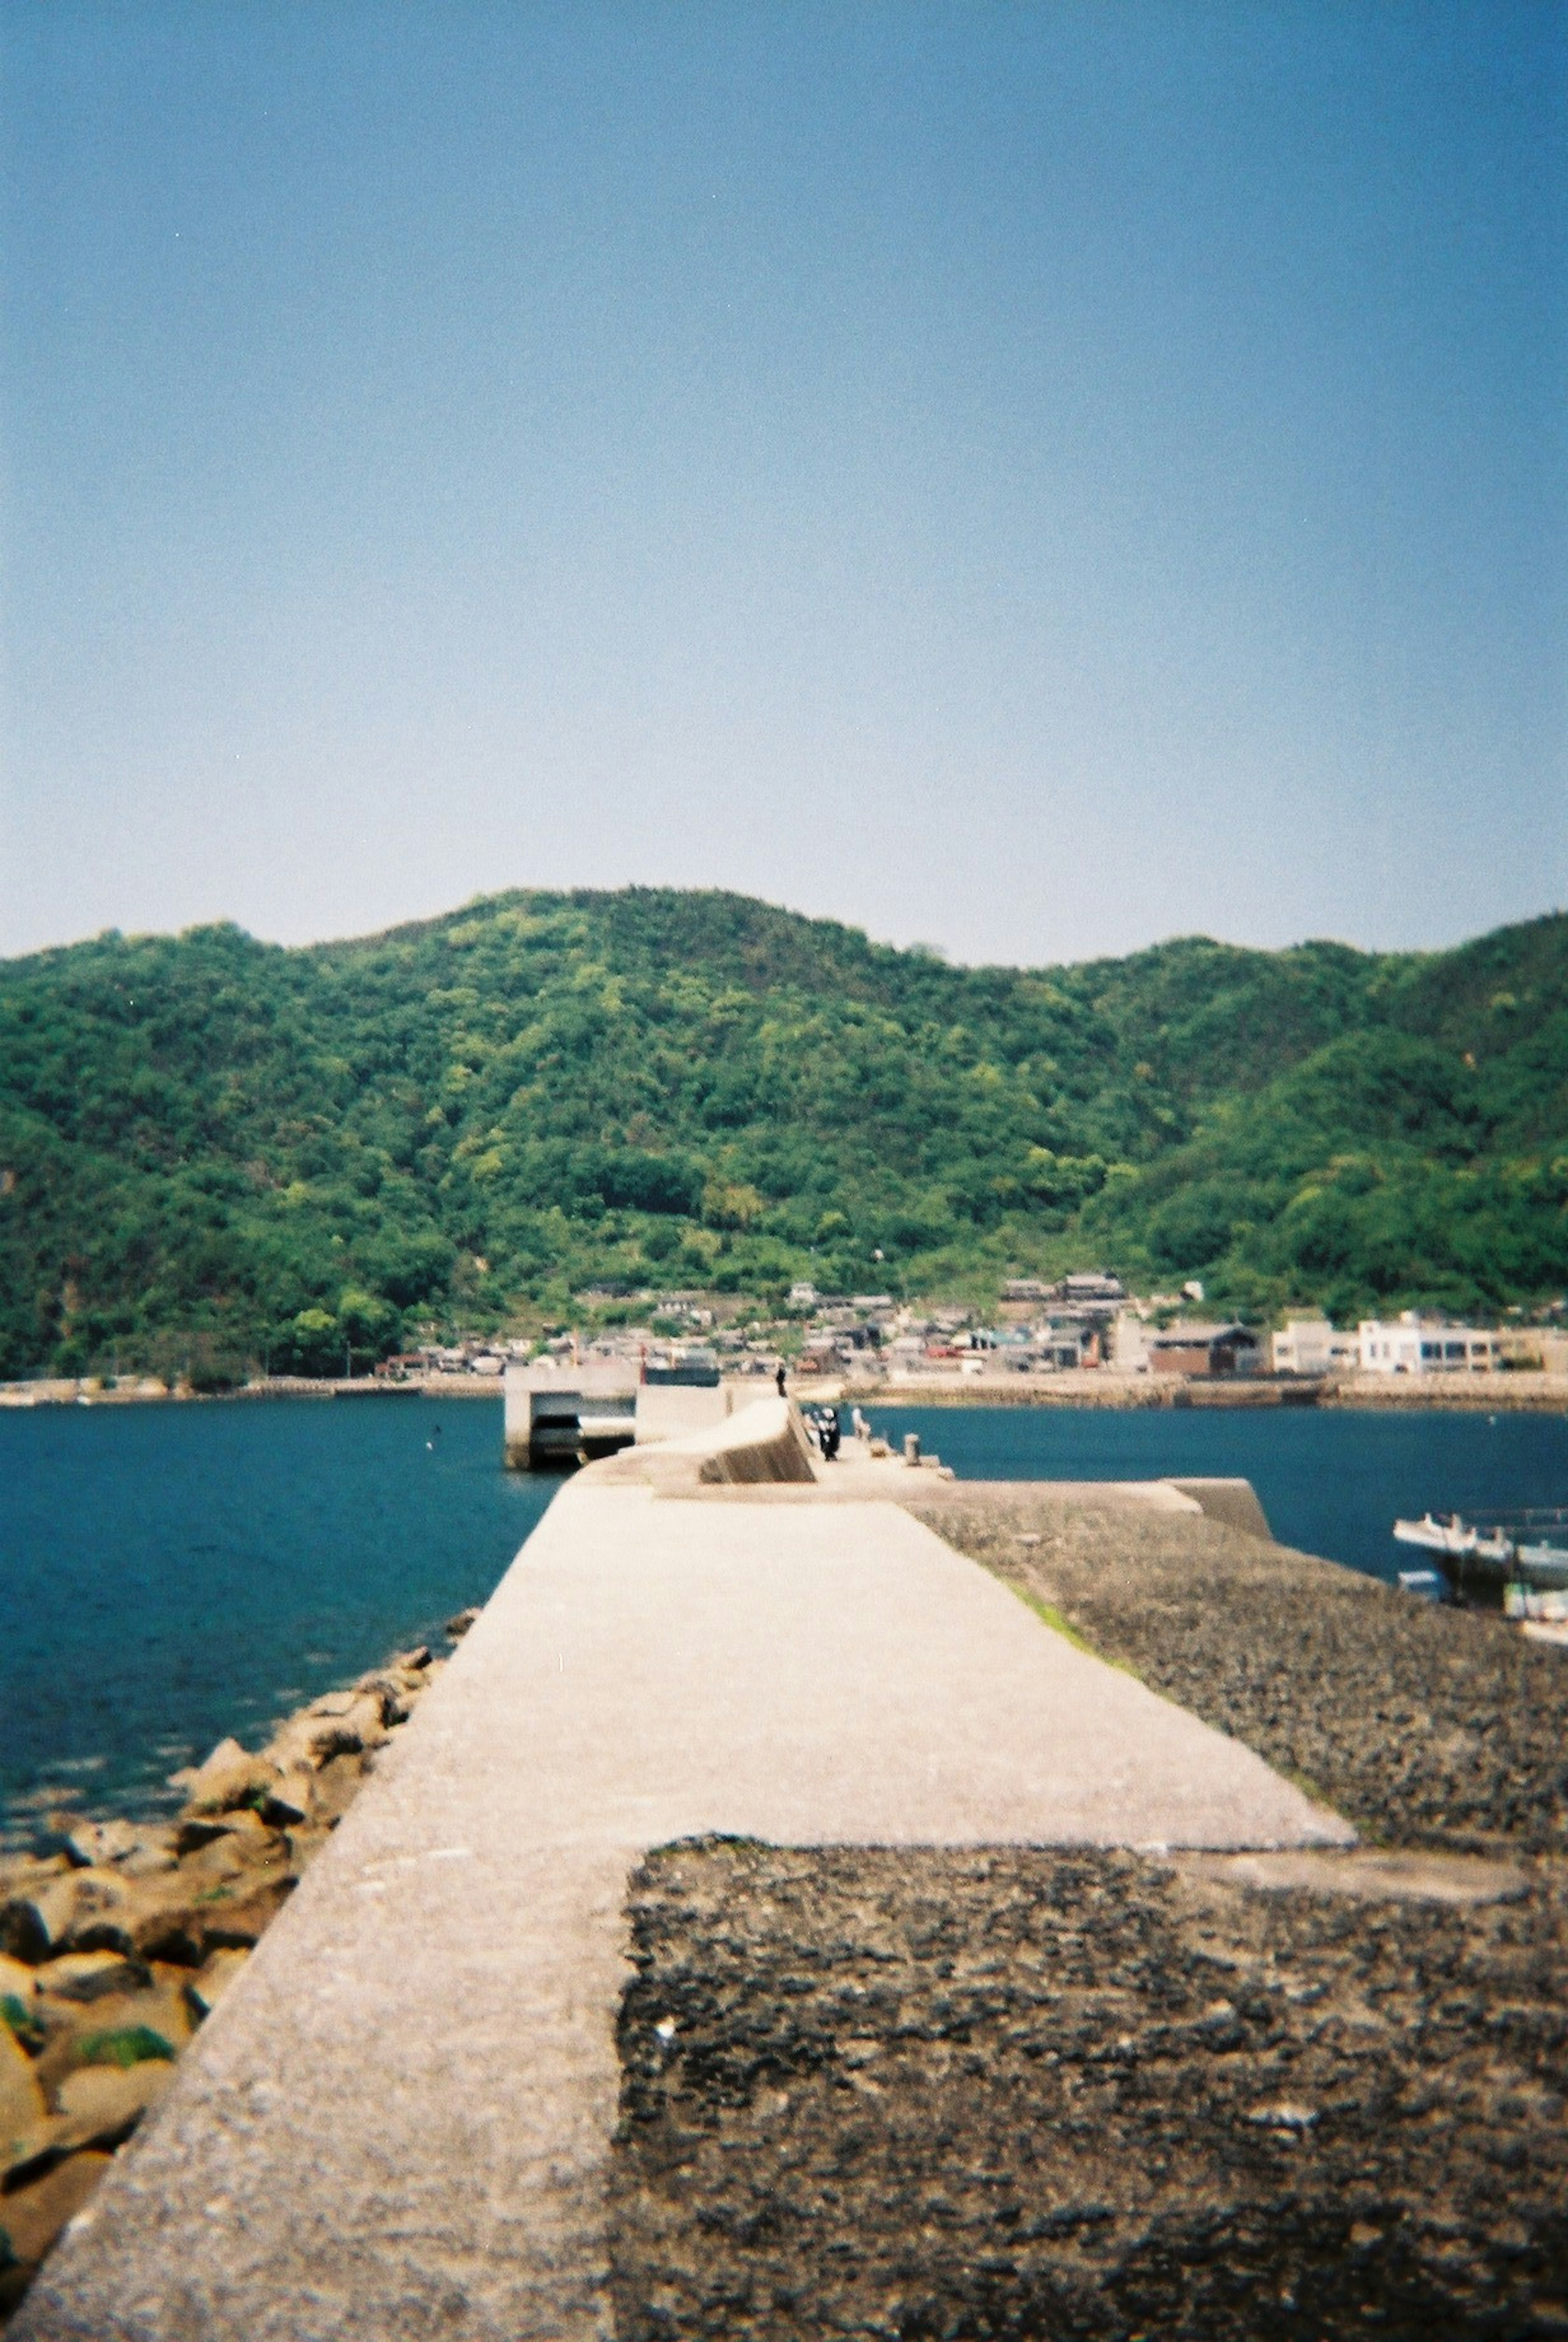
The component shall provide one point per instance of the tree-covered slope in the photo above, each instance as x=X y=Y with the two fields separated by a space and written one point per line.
x=293 y=1152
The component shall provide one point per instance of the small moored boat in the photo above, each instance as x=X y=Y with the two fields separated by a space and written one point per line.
x=1527 y=1550
x=1455 y=1538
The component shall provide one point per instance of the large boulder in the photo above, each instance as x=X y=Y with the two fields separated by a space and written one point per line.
x=339 y=1724
x=393 y=1695
x=119 y=2031
x=337 y=1785
x=244 y=1828
x=173 y=1917
x=160 y=2009
x=230 y=1776
x=238 y=1922
x=170 y=1928
x=137 y=1850
x=22 y=2100
x=32 y=2151
x=18 y=1982
x=77 y=1910
x=87 y=1976
x=292 y=1797
x=204 y=1992
x=32 y=2216
x=106 y=2103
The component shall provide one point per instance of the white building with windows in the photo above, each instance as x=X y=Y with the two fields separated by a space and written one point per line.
x=1413 y=1345
x=1311 y=1345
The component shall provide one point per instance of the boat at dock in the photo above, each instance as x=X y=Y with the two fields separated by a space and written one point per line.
x=1453 y=1537
x=1525 y=1551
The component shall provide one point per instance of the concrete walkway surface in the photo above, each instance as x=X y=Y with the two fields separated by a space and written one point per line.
x=398 y=2124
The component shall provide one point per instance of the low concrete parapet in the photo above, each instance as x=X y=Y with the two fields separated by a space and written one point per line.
x=1233 y=1502
x=763 y=1444
x=559 y=1417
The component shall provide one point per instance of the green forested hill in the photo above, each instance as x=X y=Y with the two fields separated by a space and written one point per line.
x=283 y=1151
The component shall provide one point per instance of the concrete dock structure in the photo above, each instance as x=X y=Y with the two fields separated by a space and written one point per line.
x=557 y=1416
x=399 y=2122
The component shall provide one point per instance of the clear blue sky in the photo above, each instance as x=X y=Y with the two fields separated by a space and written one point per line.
x=1033 y=479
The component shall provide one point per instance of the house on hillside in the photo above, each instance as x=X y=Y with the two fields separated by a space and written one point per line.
x=1190 y=1349
x=1091 y=1293
x=1066 y=1346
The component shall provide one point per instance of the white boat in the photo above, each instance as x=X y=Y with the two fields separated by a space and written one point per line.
x=1545 y=1604
x=1541 y=1564
x=1526 y=1551
x=1455 y=1537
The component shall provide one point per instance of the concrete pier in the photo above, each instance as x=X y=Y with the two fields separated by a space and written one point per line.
x=562 y=1415
x=399 y=2122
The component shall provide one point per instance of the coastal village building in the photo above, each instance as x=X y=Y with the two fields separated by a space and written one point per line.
x=1534 y=1349
x=1129 y=1341
x=1205 y=1350
x=1063 y=1348
x=1091 y=1295
x=1414 y=1345
x=1311 y=1345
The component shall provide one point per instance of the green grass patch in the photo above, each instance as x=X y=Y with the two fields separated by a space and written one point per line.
x=131 y=2045
x=1058 y=1622
x=22 y=2022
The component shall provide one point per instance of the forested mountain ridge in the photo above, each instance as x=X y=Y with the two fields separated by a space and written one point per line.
x=290 y=1152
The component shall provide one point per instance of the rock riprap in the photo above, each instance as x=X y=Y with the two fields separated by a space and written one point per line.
x=117 y=1943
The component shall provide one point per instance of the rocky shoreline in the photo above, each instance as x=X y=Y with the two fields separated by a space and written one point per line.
x=118 y=1940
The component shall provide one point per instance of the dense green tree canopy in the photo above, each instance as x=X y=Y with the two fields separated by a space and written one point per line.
x=305 y=1154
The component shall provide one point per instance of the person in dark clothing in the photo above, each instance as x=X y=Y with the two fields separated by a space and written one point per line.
x=779 y=1377
x=832 y=1432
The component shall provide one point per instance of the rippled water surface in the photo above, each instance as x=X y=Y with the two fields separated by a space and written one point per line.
x=172 y=1573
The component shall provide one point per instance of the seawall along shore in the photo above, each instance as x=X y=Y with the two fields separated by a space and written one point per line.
x=1105 y=1387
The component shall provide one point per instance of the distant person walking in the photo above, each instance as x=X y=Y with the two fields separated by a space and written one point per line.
x=779 y=1377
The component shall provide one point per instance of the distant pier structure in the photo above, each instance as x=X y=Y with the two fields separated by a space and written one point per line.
x=559 y=1415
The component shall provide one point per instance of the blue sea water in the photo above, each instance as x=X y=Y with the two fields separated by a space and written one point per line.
x=169 y=1574
x=1332 y=1480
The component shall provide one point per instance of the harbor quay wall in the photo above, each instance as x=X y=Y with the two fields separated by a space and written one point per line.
x=1102 y=1387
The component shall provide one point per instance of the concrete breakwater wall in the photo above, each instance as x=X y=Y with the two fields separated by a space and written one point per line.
x=558 y=1416
x=974 y=1984
x=401 y=2119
